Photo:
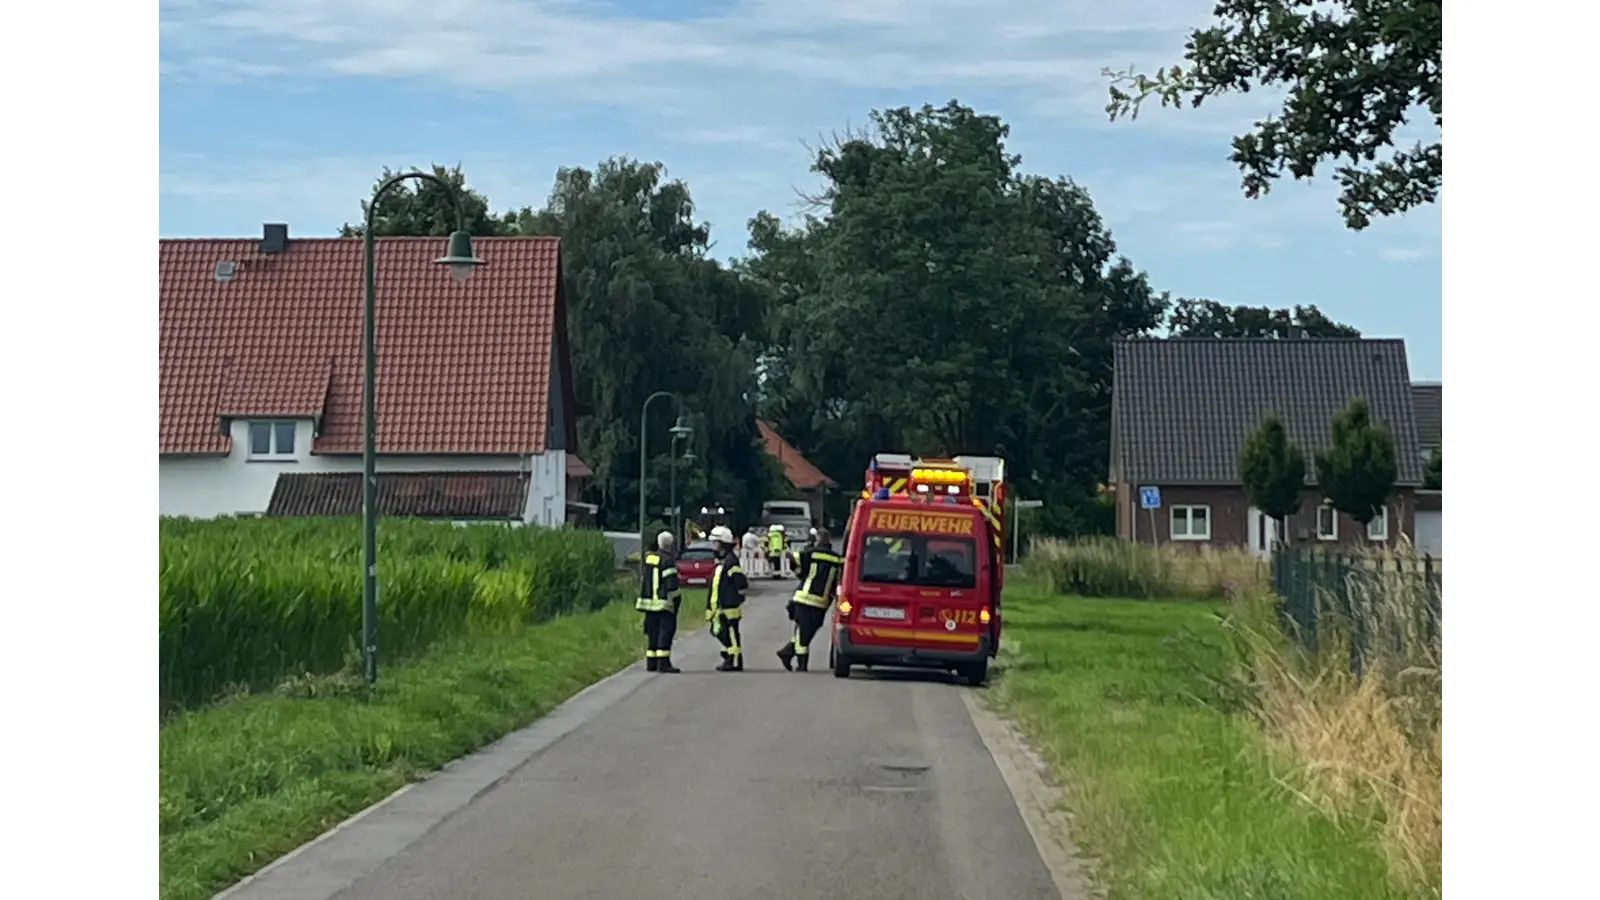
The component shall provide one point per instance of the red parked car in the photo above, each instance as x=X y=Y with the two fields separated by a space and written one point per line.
x=695 y=564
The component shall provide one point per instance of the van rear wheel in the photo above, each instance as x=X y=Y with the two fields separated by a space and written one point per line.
x=975 y=673
x=841 y=664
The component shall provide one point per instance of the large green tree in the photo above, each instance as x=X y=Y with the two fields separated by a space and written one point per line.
x=1355 y=71
x=1208 y=318
x=1358 y=470
x=939 y=301
x=650 y=311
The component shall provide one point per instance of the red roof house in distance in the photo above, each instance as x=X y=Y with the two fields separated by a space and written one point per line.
x=261 y=379
x=809 y=480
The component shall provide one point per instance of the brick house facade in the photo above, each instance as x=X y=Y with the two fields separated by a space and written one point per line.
x=1182 y=409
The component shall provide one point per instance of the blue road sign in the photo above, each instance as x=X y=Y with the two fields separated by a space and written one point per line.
x=1150 y=498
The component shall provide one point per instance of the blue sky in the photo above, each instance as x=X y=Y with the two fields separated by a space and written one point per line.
x=286 y=110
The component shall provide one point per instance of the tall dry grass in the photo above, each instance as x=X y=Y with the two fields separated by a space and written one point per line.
x=1106 y=567
x=1364 y=745
x=1368 y=743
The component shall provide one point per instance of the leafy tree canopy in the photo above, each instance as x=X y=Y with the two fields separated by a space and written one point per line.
x=1358 y=470
x=1355 y=72
x=1208 y=318
x=939 y=301
x=1433 y=473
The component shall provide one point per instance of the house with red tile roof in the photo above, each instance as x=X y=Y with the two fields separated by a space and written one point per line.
x=809 y=480
x=261 y=379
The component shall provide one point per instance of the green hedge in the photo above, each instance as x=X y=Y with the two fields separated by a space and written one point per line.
x=246 y=602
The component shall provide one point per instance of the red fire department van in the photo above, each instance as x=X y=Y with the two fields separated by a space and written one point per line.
x=924 y=567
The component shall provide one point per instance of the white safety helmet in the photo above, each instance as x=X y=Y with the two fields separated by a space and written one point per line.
x=777 y=528
x=664 y=541
x=722 y=534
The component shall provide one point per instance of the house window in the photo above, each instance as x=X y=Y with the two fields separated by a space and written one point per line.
x=1327 y=523
x=269 y=440
x=1378 y=528
x=1191 y=523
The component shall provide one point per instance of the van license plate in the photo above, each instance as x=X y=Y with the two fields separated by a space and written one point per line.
x=883 y=612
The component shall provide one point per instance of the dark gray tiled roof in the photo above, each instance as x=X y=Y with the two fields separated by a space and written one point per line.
x=1427 y=400
x=1182 y=408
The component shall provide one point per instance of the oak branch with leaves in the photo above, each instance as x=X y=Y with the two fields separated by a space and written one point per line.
x=1355 y=72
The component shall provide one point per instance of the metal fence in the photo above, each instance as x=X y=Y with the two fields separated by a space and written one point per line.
x=1384 y=603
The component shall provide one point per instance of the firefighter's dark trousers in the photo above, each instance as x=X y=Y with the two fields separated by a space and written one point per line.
x=659 y=629
x=725 y=625
x=808 y=620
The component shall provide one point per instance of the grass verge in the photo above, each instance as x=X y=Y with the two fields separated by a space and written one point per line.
x=253 y=777
x=1176 y=792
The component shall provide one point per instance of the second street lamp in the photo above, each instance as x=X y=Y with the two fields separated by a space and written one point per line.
x=680 y=429
x=459 y=257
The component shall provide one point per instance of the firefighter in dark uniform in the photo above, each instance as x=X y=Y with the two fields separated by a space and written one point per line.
x=659 y=600
x=725 y=605
x=820 y=569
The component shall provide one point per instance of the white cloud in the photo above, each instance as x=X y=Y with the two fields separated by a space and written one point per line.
x=507 y=44
x=756 y=75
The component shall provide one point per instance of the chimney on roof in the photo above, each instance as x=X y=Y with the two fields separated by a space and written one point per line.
x=1296 y=333
x=274 y=238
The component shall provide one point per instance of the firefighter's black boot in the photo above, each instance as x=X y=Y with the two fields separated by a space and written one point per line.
x=727 y=664
x=651 y=664
x=786 y=656
x=665 y=666
x=802 y=663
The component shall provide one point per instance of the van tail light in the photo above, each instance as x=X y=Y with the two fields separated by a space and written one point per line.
x=983 y=615
x=845 y=608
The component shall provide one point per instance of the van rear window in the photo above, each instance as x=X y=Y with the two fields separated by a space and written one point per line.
x=920 y=560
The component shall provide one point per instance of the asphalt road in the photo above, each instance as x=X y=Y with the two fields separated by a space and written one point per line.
x=761 y=784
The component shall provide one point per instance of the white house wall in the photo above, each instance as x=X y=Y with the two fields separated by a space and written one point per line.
x=547 y=494
x=209 y=486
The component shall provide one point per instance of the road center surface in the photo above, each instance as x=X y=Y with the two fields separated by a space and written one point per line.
x=759 y=784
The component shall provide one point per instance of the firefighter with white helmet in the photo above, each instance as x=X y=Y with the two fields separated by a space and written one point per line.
x=725 y=605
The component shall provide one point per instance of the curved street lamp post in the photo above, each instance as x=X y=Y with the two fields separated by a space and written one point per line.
x=677 y=522
x=459 y=257
x=672 y=492
x=680 y=429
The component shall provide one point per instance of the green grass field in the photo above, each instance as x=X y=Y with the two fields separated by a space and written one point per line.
x=1174 y=793
x=251 y=778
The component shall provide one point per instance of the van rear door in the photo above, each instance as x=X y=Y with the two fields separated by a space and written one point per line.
x=919 y=590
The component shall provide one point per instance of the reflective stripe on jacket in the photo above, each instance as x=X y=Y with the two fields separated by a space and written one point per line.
x=819 y=577
x=775 y=541
x=658 y=583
